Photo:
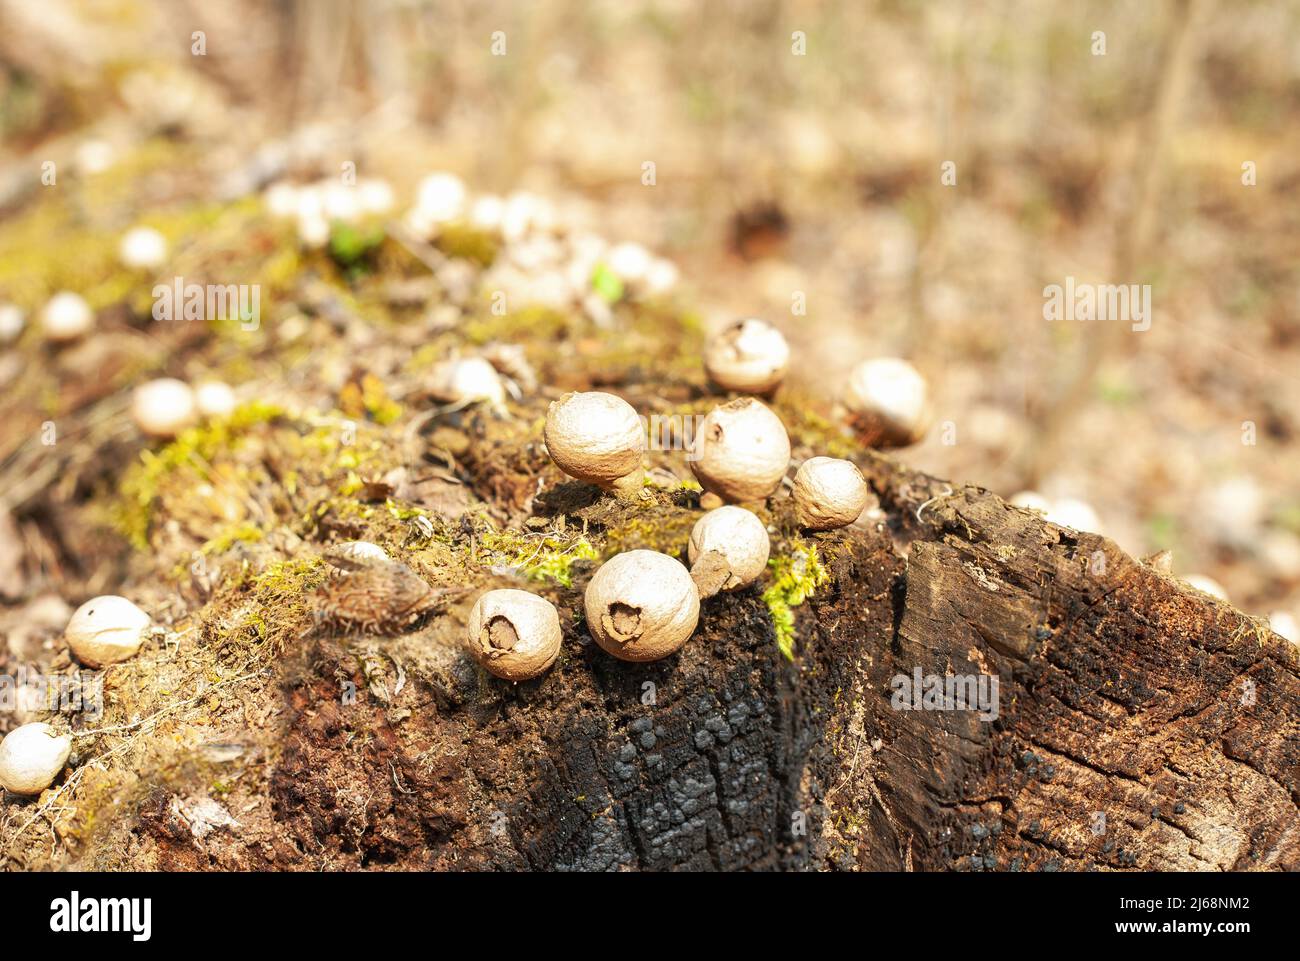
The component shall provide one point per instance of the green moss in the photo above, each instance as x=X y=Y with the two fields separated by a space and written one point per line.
x=237 y=533
x=542 y=556
x=795 y=577
x=532 y=323
x=461 y=240
x=278 y=606
x=192 y=450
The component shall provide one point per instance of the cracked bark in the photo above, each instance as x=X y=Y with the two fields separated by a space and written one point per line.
x=1140 y=726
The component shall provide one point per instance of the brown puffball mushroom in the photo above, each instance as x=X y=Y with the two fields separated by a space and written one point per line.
x=597 y=438
x=728 y=550
x=641 y=605
x=31 y=757
x=889 y=399
x=514 y=634
x=749 y=355
x=828 y=493
x=741 y=451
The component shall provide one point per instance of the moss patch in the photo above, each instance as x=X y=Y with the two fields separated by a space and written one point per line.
x=795 y=577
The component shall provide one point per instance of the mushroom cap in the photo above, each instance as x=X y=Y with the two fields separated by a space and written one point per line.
x=514 y=634
x=741 y=451
x=31 y=757
x=163 y=407
x=11 y=322
x=375 y=196
x=441 y=197
x=739 y=537
x=66 y=316
x=142 y=248
x=214 y=398
x=641 y=605
x=748 y=355
x=105 y=630
x=828 y=493
x=467 y=380
x=355 y=555
x=891 y=393
x=595 y=437
x=281 y=199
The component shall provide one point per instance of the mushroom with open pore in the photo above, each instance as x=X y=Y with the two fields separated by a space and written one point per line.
x=514 y=634
x=728 y=550
x=641 y=605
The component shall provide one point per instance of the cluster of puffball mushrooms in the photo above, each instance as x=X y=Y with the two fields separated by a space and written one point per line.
x=643 y=605
x=103 y=631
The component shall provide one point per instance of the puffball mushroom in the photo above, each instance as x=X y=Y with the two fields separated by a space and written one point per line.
x=749 y=355
x=741 y=451
x=356 y=555
x=597 y=438
x=890 y=397
x=214 y=399
x=440 y=198
x=641 y=605
x=828 y=493
x=163 y=407
x=142 y=248
x=467 y=380
x=11 y=322
x=514 y=634
x=31 y=757
x=66 y=317
x=728 y=550
x=106 y=630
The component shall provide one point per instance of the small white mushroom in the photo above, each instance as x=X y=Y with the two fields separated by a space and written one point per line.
x=66 y=317
x=214 y=399
x=641 y=605
x=487 y=213
x=467 y=380
x=728 y=550
x=514 y=634
x=31 y=757
x=631 y=262
x=281 y=199
x=355 y=555
x=142 y=248
x=105 y=630
x=889 y=399
x=749 y=355
x=741 y=451
x=440 y=198
x=163 y=407
x=11 y=323
x=340 y=202
x=375 y=196
x=597 y=438
x=828 y=493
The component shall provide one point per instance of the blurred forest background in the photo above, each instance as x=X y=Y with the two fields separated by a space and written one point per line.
x=819 y=173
